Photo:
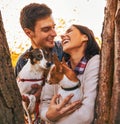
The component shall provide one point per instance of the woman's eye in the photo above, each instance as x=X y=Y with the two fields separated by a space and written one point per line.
x=69 y=30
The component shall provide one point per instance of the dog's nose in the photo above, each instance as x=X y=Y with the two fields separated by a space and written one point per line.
x=48 y=64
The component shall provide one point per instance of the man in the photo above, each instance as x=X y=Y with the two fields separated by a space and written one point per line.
x=37 y=22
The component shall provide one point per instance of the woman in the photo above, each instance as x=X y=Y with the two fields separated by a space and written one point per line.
x=80 y=44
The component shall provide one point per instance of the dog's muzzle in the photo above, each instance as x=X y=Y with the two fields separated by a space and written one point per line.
x=48 y=64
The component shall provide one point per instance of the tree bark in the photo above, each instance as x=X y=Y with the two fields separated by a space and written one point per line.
x=11 y=110
x=115 y=103
x=107 y=65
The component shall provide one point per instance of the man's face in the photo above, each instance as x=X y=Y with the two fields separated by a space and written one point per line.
x=43 y=34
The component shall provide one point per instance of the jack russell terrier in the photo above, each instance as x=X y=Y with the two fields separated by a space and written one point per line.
x=61 y=74
x=32 y=73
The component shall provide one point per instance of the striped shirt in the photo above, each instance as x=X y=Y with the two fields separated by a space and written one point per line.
x=79 y=69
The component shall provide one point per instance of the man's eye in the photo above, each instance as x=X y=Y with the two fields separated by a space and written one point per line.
x=46 y=29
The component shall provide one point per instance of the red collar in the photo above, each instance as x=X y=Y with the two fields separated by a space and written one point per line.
x=31 y=80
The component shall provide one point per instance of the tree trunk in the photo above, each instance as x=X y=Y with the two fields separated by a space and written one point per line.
x=115 y=103
x=11 y=111
x=108 y=99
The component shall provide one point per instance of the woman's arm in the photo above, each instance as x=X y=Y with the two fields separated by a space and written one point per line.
x=50 y=110
x=85 y=113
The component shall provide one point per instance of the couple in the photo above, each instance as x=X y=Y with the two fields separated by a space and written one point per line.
x=79 y=42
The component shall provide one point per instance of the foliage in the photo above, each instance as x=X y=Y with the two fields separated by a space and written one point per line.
x=14 y=58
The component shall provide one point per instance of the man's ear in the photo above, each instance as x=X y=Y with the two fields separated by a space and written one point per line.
x=28 y=32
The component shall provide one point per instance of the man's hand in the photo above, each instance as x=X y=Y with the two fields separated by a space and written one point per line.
x=57 y=111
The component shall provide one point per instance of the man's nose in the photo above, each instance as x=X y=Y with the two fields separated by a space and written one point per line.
x=53 y=32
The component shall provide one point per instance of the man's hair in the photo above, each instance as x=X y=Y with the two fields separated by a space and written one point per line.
x=33 y=12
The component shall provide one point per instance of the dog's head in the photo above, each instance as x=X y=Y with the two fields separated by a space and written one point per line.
x=58 y=70
x=36 y=56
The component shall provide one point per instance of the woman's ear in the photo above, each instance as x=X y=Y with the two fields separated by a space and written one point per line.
x=28 y=32
x=84 y=37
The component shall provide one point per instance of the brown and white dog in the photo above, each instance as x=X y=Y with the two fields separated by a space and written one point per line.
x=61 y=74
x=32 y=73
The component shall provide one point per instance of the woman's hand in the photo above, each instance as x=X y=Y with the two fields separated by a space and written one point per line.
x=57 y=111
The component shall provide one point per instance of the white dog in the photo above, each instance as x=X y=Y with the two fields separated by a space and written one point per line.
x=61 y=74
x=32 y=73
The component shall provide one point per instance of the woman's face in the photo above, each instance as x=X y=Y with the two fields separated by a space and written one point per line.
x=73 y=39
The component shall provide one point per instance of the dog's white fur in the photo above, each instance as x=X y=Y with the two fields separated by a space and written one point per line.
x=31 y=71
x=65 y=82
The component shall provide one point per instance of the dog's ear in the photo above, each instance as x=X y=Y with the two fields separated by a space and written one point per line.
x=55 y=59
x=27 y=55
x=57 y=63
x=63 y=60
x=59 y=68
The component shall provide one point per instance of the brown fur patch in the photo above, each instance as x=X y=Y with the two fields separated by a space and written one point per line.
x=59 y=70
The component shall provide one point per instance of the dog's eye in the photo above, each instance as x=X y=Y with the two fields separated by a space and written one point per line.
x=39 y=57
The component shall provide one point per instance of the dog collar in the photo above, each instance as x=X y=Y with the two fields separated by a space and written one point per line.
x=31 y=80
x=72 y=88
